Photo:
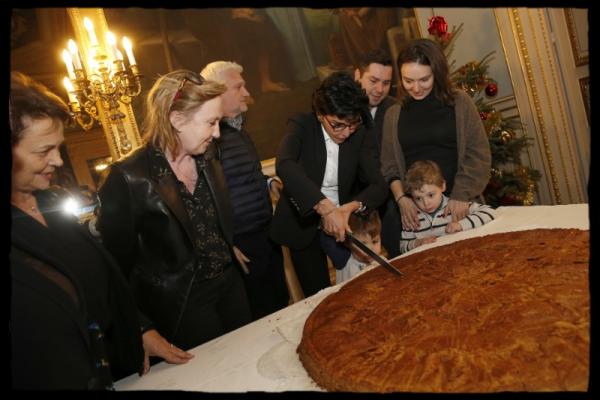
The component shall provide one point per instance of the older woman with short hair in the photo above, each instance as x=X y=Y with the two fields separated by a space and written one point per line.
x=73 y=323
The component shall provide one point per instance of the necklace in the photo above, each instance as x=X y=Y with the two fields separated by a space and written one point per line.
x=24 y=206
x=192 y=176
x=190 y=173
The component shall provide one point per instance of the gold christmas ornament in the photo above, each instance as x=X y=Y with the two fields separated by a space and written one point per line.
x=506 y=136
x=528 y=200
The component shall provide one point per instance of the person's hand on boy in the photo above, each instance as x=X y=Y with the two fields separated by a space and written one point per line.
x=457 y=208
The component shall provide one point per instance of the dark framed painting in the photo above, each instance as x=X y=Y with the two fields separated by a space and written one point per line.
x=285 y=52
x=577 y=25
x=584 y=85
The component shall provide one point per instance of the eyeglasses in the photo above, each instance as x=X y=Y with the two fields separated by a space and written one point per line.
x=182 y=84
x=340 y=126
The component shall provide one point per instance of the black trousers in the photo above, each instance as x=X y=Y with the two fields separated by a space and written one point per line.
x=215 y=306
x=391 y=227
x=265 y=285
x=310 y=264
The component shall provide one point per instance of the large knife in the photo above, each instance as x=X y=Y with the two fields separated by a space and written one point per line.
x=382 y=261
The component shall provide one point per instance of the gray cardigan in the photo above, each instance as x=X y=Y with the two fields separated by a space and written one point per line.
x=474 y=155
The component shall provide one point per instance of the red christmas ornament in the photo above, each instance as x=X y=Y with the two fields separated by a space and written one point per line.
x=493 y=185
x=484 y=115
x=491 y=89
x=437 y=26
x=508 y=200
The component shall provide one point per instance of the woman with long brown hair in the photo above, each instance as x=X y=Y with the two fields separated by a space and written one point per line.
x=433 y=121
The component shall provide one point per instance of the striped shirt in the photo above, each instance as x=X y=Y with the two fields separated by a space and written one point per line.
x=435 y=224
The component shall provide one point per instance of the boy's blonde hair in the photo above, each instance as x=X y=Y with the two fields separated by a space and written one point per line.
x=365 y=223
x=425 y=172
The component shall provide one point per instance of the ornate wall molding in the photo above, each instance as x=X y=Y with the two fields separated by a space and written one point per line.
x=575 y=19
x=537 y=72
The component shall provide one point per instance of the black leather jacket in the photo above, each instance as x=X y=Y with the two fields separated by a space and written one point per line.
x=145 y=226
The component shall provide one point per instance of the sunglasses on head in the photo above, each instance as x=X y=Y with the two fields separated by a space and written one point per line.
x=179 y=91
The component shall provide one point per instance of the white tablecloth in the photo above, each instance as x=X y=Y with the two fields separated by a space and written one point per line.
x=261 y=356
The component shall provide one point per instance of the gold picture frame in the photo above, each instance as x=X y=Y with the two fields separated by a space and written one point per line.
x=578 y=38
x=584 y=85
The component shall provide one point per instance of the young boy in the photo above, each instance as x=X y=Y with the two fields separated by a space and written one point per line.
x=366 y=228
x=425 y=184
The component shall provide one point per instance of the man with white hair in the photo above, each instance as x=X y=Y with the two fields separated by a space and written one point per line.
x=249 y=193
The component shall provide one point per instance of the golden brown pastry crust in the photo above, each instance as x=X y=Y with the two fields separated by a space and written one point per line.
x=504 y=312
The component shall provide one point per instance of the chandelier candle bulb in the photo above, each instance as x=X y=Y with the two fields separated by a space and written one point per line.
x=94 y=62
x=74 y=54
x=70 y=91
x=66 y=56
x=89 y=26
x=129 y=51
x=112 y=41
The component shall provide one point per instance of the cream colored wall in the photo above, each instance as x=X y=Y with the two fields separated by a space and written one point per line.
x=478 y=38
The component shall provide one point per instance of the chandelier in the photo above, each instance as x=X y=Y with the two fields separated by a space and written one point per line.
x=105 y=80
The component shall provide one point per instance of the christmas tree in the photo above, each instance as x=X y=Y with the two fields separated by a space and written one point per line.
x=511 y=182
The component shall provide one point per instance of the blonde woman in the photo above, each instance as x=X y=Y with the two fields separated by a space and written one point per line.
x=165 y=216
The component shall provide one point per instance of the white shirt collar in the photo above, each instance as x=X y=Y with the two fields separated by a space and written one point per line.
x=373 y=111
x=326 y=136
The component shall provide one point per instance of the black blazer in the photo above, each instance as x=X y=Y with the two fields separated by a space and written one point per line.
x=145 y=226
x=50 y=343
x=377 y=128
x=300 y=164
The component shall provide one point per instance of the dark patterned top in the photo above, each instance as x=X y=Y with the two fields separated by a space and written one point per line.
x=210 y=245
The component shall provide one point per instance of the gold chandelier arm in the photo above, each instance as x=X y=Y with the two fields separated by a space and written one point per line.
x=104 y=78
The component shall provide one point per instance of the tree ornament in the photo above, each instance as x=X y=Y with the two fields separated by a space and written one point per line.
x=505 y=136
x=496 y=173
x=437 y=26
x=484 y=115
x=508 y=200
x=491 y=89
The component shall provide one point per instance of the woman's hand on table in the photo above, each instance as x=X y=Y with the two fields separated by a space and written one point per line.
x=156 y=345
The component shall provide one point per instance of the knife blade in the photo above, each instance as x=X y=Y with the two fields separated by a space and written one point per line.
x=382 y=261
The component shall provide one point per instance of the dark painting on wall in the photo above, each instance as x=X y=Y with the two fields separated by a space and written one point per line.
x=37 y=37
x=285 y=52
x=24 y=27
